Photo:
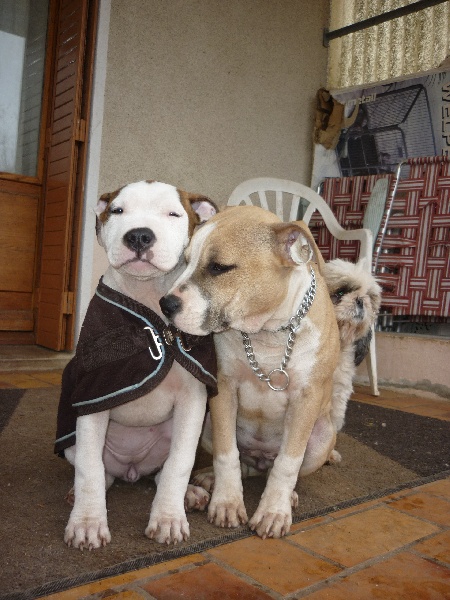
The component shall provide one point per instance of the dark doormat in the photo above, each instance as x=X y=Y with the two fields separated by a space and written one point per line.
x=383 y=451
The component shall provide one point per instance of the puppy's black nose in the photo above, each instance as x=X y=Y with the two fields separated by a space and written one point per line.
x=139 y=239
x=170 y=305
x=359 y=302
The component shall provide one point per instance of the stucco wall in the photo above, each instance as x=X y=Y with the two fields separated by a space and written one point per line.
x=415 y=361
x=204 y=94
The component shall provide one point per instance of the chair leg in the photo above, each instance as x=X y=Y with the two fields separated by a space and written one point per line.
x=371 y=361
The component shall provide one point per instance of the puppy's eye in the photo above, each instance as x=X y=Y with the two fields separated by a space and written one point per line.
x=174 y=214
x=115 y=210
x=215 y=268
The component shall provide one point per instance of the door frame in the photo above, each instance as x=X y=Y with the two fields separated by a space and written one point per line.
x=88 y=239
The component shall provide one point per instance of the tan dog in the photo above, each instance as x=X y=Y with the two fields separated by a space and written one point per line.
x=249 y=274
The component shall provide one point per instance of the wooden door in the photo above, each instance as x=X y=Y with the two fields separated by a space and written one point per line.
x=26 y=57
x=66 y=130
x=40 y=231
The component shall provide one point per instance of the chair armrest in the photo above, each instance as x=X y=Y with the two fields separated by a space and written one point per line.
x=363 y=235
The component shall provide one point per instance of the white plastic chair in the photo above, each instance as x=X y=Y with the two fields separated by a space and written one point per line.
x=283 y=197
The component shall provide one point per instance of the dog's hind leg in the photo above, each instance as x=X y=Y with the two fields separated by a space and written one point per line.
x=204 y=478
x=196 y=498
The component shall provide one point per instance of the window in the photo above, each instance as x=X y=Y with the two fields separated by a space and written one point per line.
x=23 y=29
x=406 y=45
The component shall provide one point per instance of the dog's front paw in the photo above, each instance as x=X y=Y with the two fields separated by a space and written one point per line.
x=271 y=523
x=227 y=513
x=87 y=532
x=196 y=498
x=167 y=529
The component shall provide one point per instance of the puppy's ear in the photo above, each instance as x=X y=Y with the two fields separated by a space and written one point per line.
x=198 y=207
x=103 y=202
x=296 y=244
x=203 y=207
x=100 y=211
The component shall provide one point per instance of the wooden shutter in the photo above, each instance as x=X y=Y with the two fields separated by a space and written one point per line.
x=64 y=172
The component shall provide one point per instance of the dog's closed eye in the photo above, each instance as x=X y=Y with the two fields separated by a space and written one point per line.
x=215 y=268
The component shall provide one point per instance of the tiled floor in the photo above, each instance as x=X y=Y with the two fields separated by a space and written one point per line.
x=397 y=547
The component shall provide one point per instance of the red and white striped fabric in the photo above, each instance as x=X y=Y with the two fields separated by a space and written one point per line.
x=414 y=265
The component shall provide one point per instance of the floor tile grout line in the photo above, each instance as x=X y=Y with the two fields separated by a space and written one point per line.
x=420 y=517
x=433 y=559
x=315 y=554
x=349 y=571
x=244 y=576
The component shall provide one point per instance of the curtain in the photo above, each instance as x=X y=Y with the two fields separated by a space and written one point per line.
x=403 y=46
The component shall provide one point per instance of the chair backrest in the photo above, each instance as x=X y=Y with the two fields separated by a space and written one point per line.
x=277 y=195
x=283 y=197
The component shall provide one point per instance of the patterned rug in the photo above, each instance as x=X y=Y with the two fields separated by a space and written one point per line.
x=383 y=451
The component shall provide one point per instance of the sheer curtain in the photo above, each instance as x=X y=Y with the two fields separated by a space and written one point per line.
x=403 y=46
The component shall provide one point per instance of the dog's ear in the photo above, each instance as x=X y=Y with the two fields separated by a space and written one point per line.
x=198 y=207
x=296 y=244
x=203 y=207
x=100 y=211
x=103 y=202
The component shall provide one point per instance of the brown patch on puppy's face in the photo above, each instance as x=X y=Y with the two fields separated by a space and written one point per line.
x=238 y=272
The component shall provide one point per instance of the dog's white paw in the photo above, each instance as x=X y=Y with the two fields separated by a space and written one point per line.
x=167 y=528
x=271 y=524
x=196 y=498
x=227 y=514
x=87 y=532
x=205 y=480
x=274 y=518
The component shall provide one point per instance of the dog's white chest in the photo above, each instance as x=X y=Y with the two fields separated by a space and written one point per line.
x=158 y=405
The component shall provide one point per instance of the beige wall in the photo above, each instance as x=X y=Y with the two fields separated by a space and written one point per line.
x=204 y=94
x=411 y=361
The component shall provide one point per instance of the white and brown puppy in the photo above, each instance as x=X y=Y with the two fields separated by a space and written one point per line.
x=249 y=276
x=134 y=395
x=356 y=297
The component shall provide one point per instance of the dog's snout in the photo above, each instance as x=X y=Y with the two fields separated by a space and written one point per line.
x=139 y=239
x=359 y=302
x=170 y=305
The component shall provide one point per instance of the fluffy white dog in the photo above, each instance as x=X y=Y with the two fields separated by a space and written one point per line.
x=356 y=297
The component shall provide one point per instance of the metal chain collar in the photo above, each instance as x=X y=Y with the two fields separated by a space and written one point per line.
x=292 y=327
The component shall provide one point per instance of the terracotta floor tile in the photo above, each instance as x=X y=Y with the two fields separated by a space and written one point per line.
x=437 y=547
x=270 y=562
x=441 y=412
x=126 y=595
x=207 y=582
x=52 y=377
x=22 y=380
x=439 y=488
x=425 y=506
x=119 y=580
x=359 y=537
x=355 y=509
x=402 y=577
x=307 y=524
